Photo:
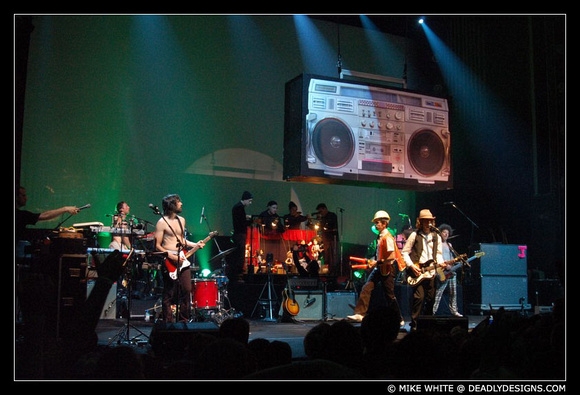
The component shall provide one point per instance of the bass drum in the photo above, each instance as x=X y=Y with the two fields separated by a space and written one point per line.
x=205 y=293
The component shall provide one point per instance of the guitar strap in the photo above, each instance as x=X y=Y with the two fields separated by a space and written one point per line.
x=180 y=241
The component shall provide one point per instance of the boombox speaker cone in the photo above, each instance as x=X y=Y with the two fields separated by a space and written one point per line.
x=333 y=142
x=426 y=152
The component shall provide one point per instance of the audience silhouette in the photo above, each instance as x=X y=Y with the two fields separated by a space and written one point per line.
x=513 y=345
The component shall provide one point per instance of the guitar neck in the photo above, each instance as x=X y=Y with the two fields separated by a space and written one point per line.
x=455 y=267
x=194 y=249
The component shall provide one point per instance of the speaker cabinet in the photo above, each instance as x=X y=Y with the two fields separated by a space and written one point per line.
x=72 y=290
x=311 y=304
x=499 y=278
x=340 y=131
x=109 y=311
x=339 y=305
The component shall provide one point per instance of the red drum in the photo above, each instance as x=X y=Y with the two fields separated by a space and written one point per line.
x=205 y=293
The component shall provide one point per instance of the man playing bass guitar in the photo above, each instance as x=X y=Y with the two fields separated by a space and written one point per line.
x=423 y=247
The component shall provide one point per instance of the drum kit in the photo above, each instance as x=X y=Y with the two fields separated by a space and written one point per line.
x=209 y=296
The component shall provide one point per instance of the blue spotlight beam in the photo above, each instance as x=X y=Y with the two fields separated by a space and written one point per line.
x=318 y=56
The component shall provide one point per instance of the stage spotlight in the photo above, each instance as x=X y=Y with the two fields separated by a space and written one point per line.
x=421 y=20
x=205 y=273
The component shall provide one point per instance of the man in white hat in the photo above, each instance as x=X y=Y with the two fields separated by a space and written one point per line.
x=422 y=249
x=383 y=271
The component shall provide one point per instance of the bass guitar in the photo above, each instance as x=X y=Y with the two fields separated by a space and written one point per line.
x=428 y=270
x=171 y=266
x=445 y=273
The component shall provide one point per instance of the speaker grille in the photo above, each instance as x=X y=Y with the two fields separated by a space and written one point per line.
x=426 y=152
x=333 y=142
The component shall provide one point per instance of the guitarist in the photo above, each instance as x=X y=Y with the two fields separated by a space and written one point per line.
x=423 y=245
x=169 y=238
x=448 y=255
x=383 y=272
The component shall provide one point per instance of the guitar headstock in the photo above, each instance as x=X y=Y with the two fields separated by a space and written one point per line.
x=213 y=234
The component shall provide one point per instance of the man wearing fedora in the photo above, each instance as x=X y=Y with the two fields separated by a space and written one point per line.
x=383 y=271
x=423 y=245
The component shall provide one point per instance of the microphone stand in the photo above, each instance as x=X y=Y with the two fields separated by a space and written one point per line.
x=129 y=269
x=340 y=236
x=473 y=224
x=221 y=311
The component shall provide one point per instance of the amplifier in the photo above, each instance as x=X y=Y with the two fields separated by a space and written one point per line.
x=339 y=305
x=303 y=283
x=311 y=304
x=72 y=290
x=499 y=278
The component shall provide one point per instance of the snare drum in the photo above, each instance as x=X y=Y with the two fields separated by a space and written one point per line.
x=205 y=293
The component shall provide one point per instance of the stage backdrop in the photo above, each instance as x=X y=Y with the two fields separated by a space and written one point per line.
x=132 y=108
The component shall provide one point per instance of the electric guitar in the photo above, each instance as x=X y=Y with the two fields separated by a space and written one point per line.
x=427 y=270
x=364 y=263
x=171 y=266
x=444 y=274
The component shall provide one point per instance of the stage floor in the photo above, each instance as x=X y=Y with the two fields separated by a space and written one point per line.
x=136 y=332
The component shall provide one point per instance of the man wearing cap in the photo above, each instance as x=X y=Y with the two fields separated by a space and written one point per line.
x=383 y=272
x=240 y=223
x=423 y=245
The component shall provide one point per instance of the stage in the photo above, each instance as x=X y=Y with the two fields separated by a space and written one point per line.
x=113 y=332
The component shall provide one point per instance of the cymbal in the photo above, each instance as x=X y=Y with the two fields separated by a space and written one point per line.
x=222 y=254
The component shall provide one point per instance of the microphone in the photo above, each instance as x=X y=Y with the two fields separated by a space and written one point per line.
x=309 y=302
x=84 y=207
x=201 y=217
x=433 y=228
x=154 y=208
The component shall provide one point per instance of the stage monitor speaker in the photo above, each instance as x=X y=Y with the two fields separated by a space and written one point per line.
x=499 y=279
x=441 y=323
x=109 y=311
x=347 y=132
x=311 y=305
x=339 y=305
x=173 y=340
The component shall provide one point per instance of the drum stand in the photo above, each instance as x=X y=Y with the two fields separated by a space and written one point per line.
x=221 y=314
x=269 y=288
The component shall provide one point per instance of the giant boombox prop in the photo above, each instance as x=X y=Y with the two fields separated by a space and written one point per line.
x=339 y=131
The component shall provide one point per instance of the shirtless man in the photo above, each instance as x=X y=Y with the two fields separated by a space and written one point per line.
x=169 y=237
